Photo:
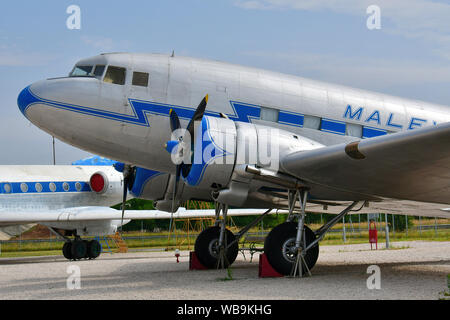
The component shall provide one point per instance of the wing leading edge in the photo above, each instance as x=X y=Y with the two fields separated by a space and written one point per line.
x=412 y=165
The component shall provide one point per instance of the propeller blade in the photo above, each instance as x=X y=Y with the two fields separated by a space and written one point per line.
x=174 y=120
x=124 y=198
x=197 y=115
x=128 y=181
x=175 y=187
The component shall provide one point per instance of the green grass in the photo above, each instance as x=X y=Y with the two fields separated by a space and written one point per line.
x=54 y=248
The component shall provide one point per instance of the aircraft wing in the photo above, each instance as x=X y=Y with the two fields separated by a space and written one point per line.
x=105 y=213
x=401 y=207
x=412 y=165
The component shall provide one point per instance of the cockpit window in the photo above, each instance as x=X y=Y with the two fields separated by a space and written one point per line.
x=115 y=75
x=81 y=71
x=140 y=79
x=98 y=71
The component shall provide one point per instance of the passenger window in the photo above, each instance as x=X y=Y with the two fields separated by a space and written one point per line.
x=115 y=75
x=98 y=72
x=140 y=79
x=354 y=130
x=312 y=122
x=269 y=114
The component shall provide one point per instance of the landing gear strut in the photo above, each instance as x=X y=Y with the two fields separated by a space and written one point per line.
x=292 y=248
x=216 y=247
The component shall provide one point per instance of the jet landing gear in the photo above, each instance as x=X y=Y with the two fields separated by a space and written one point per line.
x=78 y=249
x=81 y=249
x=216 y=247
x=292 y=248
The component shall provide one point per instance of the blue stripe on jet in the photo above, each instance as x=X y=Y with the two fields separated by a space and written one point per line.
x=369 y=132
x=15 y=187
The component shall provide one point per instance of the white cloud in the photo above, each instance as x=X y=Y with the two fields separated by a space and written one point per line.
x=14 y=58
x=100 y=43
x=428 y=21
x=361 y=72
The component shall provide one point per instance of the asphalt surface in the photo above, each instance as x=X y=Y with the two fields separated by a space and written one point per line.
x=413 y=270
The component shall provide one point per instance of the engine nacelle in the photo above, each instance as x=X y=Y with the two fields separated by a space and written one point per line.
x=149 y=184
x=105 y=183
x=222 y=146
x=214 y=154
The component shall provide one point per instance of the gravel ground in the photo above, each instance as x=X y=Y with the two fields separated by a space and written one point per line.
x=412 y=270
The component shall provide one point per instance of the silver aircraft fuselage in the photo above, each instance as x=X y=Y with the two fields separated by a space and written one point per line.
x=114 y=114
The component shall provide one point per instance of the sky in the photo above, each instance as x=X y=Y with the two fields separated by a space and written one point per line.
x=408 y=56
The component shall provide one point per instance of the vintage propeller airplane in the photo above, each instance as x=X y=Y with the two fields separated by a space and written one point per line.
x=260 y=140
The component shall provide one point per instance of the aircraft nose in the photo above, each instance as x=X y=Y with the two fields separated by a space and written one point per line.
x=25 y=99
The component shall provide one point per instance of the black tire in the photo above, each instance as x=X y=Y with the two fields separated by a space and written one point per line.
x=79 y=249
x=67 y=250
x=206 y=245
x=283 y=236
x=94 y=249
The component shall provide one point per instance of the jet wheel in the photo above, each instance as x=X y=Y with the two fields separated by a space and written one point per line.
x=67 y=250
x=279 y=248
x=207 y=247
x=79 y=249
x=94 y=249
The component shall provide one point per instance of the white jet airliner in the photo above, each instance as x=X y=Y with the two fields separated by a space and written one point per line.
x=75 y=199
x=262 y=139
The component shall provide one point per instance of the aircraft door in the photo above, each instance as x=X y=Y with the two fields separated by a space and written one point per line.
x=114 y=89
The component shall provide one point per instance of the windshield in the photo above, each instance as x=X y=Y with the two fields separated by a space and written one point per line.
x=81 y=71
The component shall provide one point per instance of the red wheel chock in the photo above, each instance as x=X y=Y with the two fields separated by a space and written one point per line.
x=194 y=263
x=265 y=269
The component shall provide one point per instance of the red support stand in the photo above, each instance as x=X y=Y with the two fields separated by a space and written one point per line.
x=265 y=269
x=373 y=235
x=194 y=263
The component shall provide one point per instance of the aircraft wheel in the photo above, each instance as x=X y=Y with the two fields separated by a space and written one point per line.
x=67 y=250
x=279 y=245
x=94 y=249
x=207 y=251
x=79 y=249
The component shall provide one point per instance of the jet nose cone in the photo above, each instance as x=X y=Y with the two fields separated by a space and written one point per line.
x=25 y=99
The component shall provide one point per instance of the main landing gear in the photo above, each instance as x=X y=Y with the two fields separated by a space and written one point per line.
x=78 y=249
x=291 y=248
x=216 y=247
x=81 y=249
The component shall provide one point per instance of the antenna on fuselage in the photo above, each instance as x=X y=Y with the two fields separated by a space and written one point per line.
x=54 y=156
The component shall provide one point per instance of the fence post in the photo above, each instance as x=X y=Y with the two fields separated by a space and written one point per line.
x=386 y=231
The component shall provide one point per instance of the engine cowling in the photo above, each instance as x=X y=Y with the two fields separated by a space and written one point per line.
x=222 y=147
x=149 y=184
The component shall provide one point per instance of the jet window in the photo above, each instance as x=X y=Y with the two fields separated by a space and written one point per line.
x=98 y=72
x=81 y=71
x=140 y=79
x=115 y=75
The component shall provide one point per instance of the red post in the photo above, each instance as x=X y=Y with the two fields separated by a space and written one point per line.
x=373 y=235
